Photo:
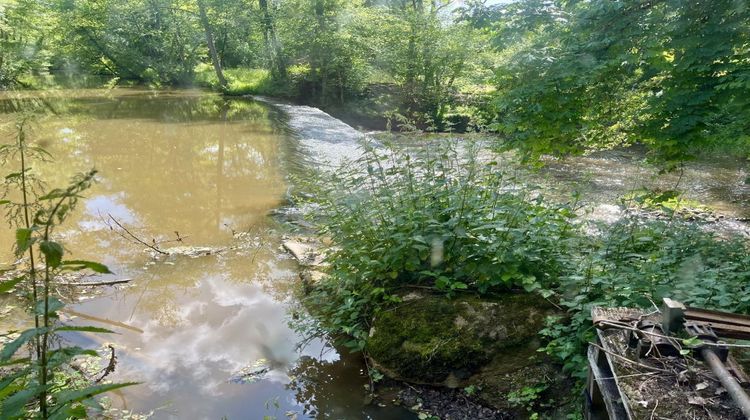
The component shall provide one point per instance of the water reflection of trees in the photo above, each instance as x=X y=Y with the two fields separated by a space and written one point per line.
x=336 y=390
x=321 y=386
x=191 y=163
x=165 y=106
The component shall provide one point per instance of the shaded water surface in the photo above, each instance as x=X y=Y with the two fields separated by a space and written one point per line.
x=188 y=165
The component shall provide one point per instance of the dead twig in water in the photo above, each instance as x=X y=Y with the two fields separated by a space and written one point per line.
x=102 y=320
x=369 y=373
x=132 y=237
x=96 y=283
x=110 y=366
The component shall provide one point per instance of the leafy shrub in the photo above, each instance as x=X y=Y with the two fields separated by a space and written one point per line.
x=437 y=218
x=670 y=202
x=636 y=263
x=443 y=219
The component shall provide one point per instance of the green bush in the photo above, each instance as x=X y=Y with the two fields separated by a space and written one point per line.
x=437 y=218
x=636 y=263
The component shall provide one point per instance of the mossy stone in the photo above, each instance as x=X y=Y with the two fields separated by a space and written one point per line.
x=430 y=338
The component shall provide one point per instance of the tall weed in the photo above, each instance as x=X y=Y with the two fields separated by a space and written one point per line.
x=636 y=263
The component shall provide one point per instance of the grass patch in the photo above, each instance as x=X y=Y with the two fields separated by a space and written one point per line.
x=669 y=202
x=245 y=81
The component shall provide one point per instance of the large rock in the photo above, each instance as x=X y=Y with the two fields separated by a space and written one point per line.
x=488 y=343
x=431 y=339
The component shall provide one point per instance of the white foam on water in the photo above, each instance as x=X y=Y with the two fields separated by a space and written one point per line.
x=329 y=141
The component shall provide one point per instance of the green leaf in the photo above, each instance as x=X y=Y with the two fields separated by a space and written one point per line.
x=692 y=342
x=81 y=264
x=53 y=253
x=66 y=354
x=73 y=351
x=13 y=406
x=68 y=396
x=8 y=285
x=53 y=305
x=84 y=329
x=9 y=379
x=15 y=362
x=10 y=348
x=70 y=412
x=4 y=202
x=23 y=240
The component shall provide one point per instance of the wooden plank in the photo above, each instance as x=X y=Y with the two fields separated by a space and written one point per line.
x=610 y=363
x=696 y=314
x=606 y=387
x=723 y=330
x=601 y=315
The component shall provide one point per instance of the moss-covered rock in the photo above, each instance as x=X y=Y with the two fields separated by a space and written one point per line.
x=434 y=340
x=522 y=380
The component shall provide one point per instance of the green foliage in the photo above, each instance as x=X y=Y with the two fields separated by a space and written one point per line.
x=636 y=264
x=471 y=390
x=579 y=75
x=245 y=81
x=23 y=47
x=437 y=217
x=527 y=397
x=425 y=56
x=669 y=202
x=327 y=52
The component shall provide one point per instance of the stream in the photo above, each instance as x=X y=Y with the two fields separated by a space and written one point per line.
x=208 y=328
x=208 y=336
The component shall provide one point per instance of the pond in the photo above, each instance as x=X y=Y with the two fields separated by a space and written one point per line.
x=208 y=336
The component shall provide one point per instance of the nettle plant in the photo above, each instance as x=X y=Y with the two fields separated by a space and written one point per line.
x=439 y=218
x=636 y=263
x=38 y=385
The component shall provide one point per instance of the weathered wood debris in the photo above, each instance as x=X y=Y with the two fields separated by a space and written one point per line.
x=675 y=362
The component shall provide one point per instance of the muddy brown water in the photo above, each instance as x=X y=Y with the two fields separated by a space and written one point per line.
x=209 y=169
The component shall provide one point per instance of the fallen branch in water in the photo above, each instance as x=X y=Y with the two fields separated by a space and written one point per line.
x=96 y=283
x=110 y=366
x=125 y=233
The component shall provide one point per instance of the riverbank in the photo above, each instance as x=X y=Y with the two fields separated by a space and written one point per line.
x=653 y=246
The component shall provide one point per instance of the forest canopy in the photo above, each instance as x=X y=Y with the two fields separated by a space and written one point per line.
x=553 y=77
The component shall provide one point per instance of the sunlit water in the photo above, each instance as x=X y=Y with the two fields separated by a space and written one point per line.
x=194 y=166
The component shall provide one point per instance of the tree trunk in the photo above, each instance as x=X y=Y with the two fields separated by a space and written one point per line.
x=211 y=46
x=320 y=59
x=275 y=54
